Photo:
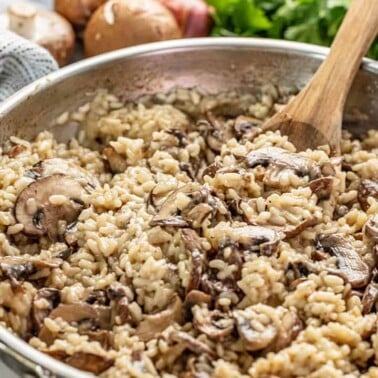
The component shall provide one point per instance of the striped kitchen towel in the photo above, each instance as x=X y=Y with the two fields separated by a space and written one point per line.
x=21 y=62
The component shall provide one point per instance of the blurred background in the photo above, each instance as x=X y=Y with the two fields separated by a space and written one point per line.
x=100 y=25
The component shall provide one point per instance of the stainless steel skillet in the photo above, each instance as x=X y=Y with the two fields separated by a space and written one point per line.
x=214 y=64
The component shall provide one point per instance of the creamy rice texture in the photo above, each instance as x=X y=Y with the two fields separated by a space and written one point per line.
x=172 y=238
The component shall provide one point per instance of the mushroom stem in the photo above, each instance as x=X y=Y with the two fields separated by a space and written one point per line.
x=22 y=19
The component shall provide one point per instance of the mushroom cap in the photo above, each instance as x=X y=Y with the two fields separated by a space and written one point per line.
x=44 y=217
x=55 y=34
x=118 y=23
x=77 y=12
x=47 y=29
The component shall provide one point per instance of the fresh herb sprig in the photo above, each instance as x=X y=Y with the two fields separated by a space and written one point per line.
x=311 y=21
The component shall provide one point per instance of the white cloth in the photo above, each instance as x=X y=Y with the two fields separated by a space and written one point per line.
x=21 y=62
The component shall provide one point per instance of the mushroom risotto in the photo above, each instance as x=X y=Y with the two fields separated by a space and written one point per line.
x=174 y=239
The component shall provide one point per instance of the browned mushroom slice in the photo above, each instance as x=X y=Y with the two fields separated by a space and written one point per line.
x=43 y=303
x=247 y=128
x=48 y=205
x=88 y=316
x=104 y=337
x=153 y=324
x=198 y=214
x=292 y=232
x=74 y=312
x=58 y=166
x=217 y=132
x=189 y=342
x=269 y=328
x=367 y=188
x=16 y=150
x=188 y=169
x=90 y=362
x=350 y=264
x=192 y=243
x=211 y=169
x=77 y=312
x=289 y=327
x=215 y=324
x=279 y=161
x=322 y=187
x=196 y=297
x=369 y=298
x=257 y=239
x=17 y=268
x=16 y=272
x=167 y=215
x=371 y=228
x=117 y=162
x=93 y=363
x=255 y=329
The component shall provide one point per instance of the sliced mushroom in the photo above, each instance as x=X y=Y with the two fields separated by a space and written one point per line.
x=117 y=293
x=292 y=232
x=16 y=150
x=198 y=214
x=255 y=329
x=212 y=169
x=279 y=161
x=74 y=312
x=65 y=254
x=299 y=269
x=350 y=264
x=179 y=135
x=97 y=316
x=192 y=243
x=117 y=162
x=367 y=188
x=153 y=324
x=371 y=228
x=58 y=166
x=198 y=206
x=43 y=303
x=257 y=239
x=194 y=367
x=340 y=211
x=217 y=133
x=289 y=327
x=196 y=297
x=247 y=128
x=93 y=363
x=17 y=268
x=48 y=205
x=189 y=342
x=16 y=272
x=370 y=297
x=215 y=324
x=103 y=337
x=266 y=328
x=188 y=169
x=322 y=187
x=167 y=215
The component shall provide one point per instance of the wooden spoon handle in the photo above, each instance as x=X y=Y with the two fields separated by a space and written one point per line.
x=321 y=101
x=356 y=34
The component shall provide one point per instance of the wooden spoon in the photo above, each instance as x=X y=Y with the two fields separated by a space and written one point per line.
x=314 y=117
